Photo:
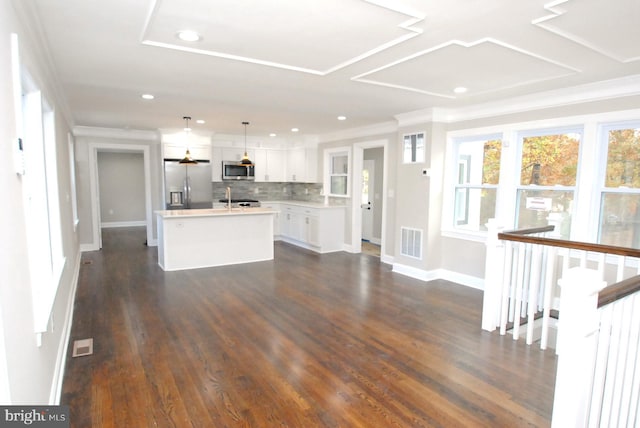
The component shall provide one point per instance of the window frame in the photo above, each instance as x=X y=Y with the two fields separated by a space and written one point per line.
x=589 y=181
x=424 y=148
x=329 y=155
x=602 y=189
x=450 y=227
x=539 y=132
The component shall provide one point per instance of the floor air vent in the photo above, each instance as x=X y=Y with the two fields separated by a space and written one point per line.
x=82 y=347
x=411 y=242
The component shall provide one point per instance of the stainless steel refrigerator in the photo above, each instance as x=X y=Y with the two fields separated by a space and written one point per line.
x=187 y=185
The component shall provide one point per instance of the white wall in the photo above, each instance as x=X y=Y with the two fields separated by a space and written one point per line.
x=121 y=177
x=416 y=201
x=33 y=372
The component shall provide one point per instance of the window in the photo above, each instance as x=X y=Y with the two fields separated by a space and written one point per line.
x=580 y=174
x=548 y=175
x=72 y=172
x=337 y=172
x=413 y=148
x=477 y=170
x=36 y=125
x=619 y=220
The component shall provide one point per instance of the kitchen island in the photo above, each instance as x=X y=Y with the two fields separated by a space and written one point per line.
x=189 y=239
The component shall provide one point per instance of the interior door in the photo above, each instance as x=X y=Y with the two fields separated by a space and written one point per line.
x=367 y=197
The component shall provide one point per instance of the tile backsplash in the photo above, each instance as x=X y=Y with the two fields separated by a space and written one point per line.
x=310 y=192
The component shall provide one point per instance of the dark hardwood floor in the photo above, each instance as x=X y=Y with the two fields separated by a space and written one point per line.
x=306 y=340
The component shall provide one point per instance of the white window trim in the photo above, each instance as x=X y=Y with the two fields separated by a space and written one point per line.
x=328 y=154
x=586 y=203
x=424 y=152
x=449 y=228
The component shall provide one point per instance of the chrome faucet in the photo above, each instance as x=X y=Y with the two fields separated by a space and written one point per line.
x=227 y=194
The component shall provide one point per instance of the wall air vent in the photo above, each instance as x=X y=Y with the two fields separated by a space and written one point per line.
x=411 y=242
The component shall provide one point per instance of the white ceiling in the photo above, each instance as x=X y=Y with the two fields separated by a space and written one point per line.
x=300 y=63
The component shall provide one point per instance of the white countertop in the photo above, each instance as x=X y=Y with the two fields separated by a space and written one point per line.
x=306 y=204
x=214 y=212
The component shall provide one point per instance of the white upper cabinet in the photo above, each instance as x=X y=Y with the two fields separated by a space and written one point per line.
x=311 y=163
x=236 y=153
x=177 y=151
x=302 y=165
x=270 y=165
x=275 y=165
x=296 y=165
x=216 y=164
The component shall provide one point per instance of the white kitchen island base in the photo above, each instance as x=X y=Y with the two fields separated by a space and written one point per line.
x=190 y=239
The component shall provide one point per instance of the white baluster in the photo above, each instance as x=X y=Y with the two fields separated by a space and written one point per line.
x=534 y=285
x=552 y=254
x=577 y=344
x=494 y=266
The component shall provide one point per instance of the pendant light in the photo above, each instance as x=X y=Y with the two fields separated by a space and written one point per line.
x=245 y=159
x=187 y=159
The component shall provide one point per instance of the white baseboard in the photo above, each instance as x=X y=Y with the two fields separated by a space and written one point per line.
x=61 y=359
x=384 y=258
x=424 y=275
x=110 y=224
x=89 y=247
x=462 y=279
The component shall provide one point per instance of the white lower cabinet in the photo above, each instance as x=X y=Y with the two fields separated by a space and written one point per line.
x=319 y=229
x=276 y=217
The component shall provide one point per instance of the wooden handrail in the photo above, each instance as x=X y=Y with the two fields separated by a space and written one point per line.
x=610 y=293
x=619 y=290
x=532 y=230
x=524 y=236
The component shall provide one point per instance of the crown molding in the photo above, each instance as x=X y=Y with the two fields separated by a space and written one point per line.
x=365 y=131
x=599 y=91
x=117 y=133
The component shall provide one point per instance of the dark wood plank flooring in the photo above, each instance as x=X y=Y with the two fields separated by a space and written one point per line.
x=306 y=340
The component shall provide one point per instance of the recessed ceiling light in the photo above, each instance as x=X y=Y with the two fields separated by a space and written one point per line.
x=342 y=117
x=272 y=134
x=294 y=129
x=188 y=36
x=200 y=121
x=460 y=90
x=147 y=96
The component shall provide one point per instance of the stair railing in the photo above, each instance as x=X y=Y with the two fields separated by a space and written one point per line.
x=522 y=271
x=598 y=373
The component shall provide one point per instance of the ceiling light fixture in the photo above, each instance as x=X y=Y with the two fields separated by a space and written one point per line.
x=188 y=36
x=187 y=159
x=245 y=159
x=342 y=117
x=147 y=96
x=273 y=134
x=200 y=122
x=460 y=90
x=294 y=129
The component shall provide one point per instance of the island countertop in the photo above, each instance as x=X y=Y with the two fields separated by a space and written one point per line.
x=198 y=238
x=212 y=212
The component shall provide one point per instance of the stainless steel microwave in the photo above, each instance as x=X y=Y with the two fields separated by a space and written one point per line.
x=232 y=170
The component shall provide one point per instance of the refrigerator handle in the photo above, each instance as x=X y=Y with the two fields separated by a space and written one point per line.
x=187 y=192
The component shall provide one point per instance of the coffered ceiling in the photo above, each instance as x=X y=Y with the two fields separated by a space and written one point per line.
x=301 y=63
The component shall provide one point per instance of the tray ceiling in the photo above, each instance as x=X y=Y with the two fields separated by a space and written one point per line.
x=284 y=64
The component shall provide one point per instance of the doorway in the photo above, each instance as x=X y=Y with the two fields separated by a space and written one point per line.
x=94 y=148
x=369 y=207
